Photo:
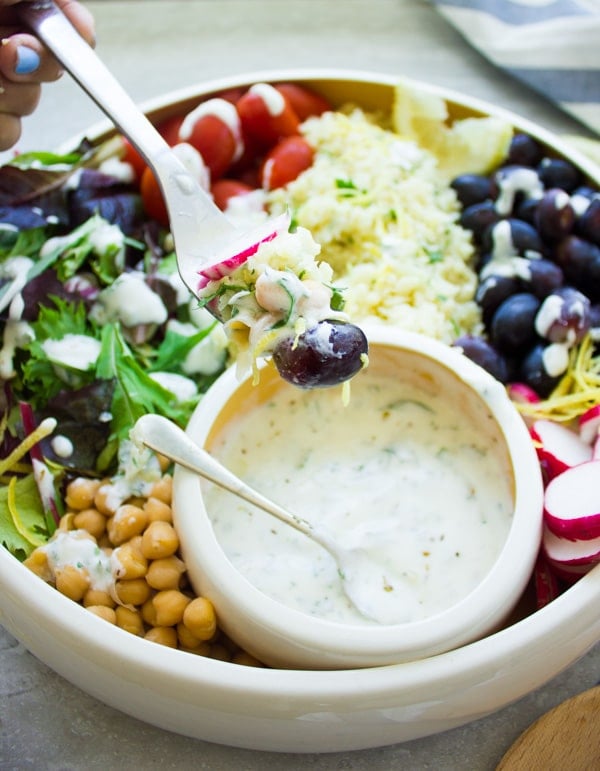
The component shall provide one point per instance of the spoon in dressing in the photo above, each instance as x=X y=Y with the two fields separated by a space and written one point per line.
x=374 y=587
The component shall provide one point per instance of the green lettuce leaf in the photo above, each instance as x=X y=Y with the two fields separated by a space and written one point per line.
x=32 y=522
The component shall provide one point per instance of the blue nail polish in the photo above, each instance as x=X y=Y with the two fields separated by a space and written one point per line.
x=28 y=61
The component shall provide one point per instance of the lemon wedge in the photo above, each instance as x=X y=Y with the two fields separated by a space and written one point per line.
x=464 y=146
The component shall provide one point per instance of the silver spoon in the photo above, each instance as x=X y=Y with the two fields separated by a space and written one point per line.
x=373 y=586
x=203 y=235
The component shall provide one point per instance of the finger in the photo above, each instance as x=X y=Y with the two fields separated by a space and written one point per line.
x=24 y=59
x=10 y=130
x=80 y=17
x=19 y=98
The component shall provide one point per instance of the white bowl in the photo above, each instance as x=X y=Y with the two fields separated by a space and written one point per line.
x=297 y=710
x=284 y=636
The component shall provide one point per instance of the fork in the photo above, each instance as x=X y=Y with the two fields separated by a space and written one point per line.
x=205 y=240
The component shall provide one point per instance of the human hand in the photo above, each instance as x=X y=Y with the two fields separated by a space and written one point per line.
x=25 y=64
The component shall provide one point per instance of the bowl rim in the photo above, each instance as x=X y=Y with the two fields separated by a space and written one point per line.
x=493 y=597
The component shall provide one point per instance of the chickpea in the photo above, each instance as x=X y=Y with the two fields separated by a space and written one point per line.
x=200 y=619
x=134 y=591
x=186 y=639
x=128 y=520
x=98 y=597
x=108 y=614
x=91 y=520
x=148 y=612
x=158 y=510
x=159 y=540
x=163 y=489
x=72 y=581
x=163 y=462
x=81 y=492
x=165 y=573
x=170 y=605
x=128 y=562
x=37 y=562
x=66 y=522
x=129 y=620
x=104 y=500
x=164 y=635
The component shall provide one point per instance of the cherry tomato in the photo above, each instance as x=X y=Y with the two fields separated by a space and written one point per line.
x=224 y=189
x=133 y=158
x=152 y=198
x=285 y=162
x=214 y=129
x=169 y=129
x=303 y=101
x=231 y=94
x=266 y=115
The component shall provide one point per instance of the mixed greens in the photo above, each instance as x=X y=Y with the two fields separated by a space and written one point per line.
x=98 y=329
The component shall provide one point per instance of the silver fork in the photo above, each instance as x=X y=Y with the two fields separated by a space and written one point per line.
x=201 y=232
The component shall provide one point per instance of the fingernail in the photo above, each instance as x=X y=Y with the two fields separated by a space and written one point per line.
x=28 y=61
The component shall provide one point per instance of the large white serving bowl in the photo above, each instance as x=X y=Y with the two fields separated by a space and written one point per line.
x=296 y=710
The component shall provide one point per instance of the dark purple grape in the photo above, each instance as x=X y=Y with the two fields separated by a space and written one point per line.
x=588 y=225
x=595 y=316
x=512 y=328
x=564 y=316
x=478 y=217
x=524 y=150
x=485 y=355
x=580 y=263
x=473 y=188
x=492 y=291
x=545 y=277
x=326 y=355
x=554 y=216
x=556 y=172
x=515 y=184
x=534 y=373
x=512 y=236
x=525 y=210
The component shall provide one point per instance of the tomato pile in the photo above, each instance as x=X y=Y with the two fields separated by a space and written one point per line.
x=246 y=138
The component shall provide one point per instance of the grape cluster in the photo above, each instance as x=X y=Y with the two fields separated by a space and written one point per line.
x=536 y=227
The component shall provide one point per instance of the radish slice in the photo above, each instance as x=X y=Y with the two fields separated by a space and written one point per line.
x=521 y=393
x=244 y=247
x=589 y=424
x=572 y=502
x=568 y=555
x=558 y=447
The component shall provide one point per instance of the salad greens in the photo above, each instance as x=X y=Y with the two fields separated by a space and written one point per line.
x=71 y=227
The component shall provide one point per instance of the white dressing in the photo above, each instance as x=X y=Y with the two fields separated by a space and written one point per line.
x=399 y=471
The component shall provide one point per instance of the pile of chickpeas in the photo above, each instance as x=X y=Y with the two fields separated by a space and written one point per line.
x=152 y=596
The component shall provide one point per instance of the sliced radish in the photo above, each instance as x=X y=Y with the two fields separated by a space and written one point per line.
x=558 y=447
x=570 y=555
x=521 y=393
x=572 y=502
x=596 y=449
x=589 y=424
x=243 y=248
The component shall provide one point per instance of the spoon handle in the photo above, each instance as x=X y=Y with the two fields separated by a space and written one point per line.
x=163 y=436
x=198 y=226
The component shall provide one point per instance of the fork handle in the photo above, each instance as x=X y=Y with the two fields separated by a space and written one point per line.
x=78 y=58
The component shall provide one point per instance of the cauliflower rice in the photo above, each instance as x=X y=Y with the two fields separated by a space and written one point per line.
x=386 y=221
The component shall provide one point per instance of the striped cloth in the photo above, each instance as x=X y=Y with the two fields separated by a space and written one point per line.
x=551 y=45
